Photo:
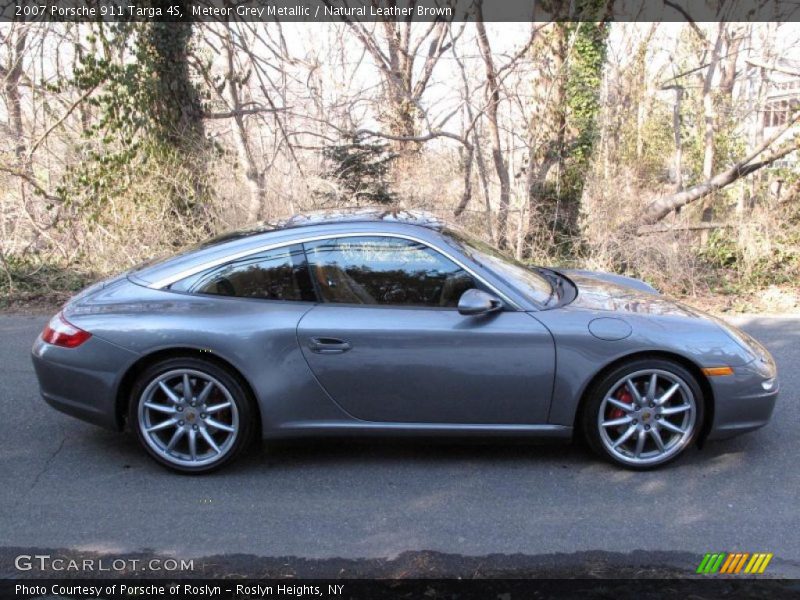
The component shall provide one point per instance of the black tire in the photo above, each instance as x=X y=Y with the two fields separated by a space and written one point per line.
x=610 y=382
x=243 y=407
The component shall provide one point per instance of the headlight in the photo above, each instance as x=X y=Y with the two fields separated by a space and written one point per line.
x=745 y=341
x=762 y=360
x=765 y=367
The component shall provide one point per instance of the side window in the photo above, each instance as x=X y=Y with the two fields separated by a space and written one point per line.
x=280 y=274
x=385 y=271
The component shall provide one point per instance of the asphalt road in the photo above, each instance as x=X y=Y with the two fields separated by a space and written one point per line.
x=68 y=485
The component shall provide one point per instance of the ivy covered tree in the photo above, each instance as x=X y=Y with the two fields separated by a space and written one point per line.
x=584 y=77
x=359 y=172
x=149 y=117
x=173 y=103
x=563 y=128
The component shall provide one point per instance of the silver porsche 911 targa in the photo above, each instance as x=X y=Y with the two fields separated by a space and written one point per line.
x=393 y=323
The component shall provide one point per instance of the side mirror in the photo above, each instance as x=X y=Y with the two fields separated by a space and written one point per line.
x=475 y=302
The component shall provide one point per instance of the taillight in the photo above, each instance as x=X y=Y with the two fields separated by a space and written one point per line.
x=61 y=332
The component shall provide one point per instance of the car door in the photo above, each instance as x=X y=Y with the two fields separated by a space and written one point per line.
x=389 y=345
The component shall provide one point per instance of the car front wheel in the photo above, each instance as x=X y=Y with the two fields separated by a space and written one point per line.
x=644 y=414
x=190 y=415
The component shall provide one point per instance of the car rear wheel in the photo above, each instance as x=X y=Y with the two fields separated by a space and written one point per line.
x=190 y=415
x=644 y=414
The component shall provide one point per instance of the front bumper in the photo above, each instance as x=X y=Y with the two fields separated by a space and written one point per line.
x=741 y=403
x=82 y=382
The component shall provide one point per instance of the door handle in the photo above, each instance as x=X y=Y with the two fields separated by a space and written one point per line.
x=325 y=345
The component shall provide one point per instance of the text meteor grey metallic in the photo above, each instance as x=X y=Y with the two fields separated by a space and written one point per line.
x=388 y=323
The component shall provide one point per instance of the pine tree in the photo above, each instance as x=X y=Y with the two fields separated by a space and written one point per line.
x=360 y=171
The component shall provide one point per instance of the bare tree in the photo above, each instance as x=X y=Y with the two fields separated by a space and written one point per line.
x=397 y=53
x=493 y=105
x=233 y=91
x=11 y=75
x=547 y=127
x=709 y=109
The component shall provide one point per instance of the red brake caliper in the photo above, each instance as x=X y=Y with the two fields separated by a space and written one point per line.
x=623 y=396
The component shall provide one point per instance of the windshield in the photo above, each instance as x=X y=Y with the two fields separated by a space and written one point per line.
x=526 y=280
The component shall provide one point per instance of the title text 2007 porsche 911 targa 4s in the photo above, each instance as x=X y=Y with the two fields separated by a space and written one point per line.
x=388 y=323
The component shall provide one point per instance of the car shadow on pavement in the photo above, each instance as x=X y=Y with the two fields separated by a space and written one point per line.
x=386 y=452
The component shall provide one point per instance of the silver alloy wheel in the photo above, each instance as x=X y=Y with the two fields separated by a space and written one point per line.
x=647 y=417
x=188 y=417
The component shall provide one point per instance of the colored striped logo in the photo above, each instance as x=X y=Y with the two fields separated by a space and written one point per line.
x=734 y=563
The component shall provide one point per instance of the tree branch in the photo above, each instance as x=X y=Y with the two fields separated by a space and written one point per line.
x=757 y=63
x=243 y=111
x=414 y=138
x=650 y=229
x=664 y=205
x=63 y=118
x=28 y=178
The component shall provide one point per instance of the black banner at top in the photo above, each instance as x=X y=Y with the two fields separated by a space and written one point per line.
x=320 y=11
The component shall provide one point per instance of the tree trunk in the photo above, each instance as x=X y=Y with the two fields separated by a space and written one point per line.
x=640 y=85
x=676 y=128
x=547 y=127
x=256 y=181
x=402 y=124
x=709 y=113
x=709 y=117
x=766 y=45
x=175 y=109
x=466 y=196
x=484 y=178
x=728 y=65
x=493 y=89
x=11 y=83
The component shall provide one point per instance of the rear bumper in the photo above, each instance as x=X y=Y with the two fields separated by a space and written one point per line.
x=82 y=382
x=741 y=403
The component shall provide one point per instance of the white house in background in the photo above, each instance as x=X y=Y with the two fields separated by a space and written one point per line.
x=781 y=99
x=783 y=96
x=772 y=96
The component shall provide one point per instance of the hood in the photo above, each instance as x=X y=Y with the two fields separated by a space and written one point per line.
x=616 y=293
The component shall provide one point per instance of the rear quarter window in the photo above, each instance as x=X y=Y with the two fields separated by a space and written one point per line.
x=278 y=274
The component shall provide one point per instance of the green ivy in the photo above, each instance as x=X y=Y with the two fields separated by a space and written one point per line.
x=146 y=116
x=584 y=73
x=584 y=77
